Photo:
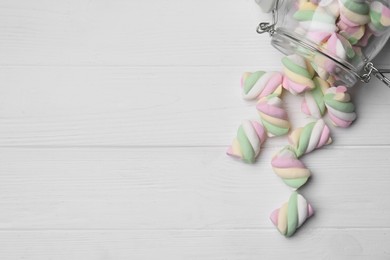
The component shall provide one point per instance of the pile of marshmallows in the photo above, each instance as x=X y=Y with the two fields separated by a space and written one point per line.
x=354 y=23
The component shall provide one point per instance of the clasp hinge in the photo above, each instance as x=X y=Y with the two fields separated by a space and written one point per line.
x=266 y=27
x=269 y=27
x=370 y=69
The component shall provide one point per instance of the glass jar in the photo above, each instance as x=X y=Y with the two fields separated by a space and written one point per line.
x=339 y=37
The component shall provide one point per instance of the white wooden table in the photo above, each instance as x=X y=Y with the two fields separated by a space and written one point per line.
x=114 y=121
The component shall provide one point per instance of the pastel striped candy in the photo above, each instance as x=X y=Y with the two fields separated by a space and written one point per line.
x=298 y=74
x=341 y=111
x=352 y=34
x=292 y=214
x=354 y=12
x=260 y=84
x=380 y=18
x=288 y=167
x=338 y=47
x=247 y=144
x=317 y=19
x=312 y=136
x=313 y=103
x=273 y=115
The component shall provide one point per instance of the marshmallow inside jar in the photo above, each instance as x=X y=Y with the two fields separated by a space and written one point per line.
x=338 y=37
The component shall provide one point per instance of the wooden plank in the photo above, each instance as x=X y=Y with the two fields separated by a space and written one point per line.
x=184 y=188
x=196 y=244
x=178 y=32
x=175 y=32
x=151 y=106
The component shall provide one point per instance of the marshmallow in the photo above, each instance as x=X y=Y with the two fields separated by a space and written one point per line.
x=312 y=136
x=273 y=115
x=380 y=18
x=341 y=111
x=354 y=12
x=316 y=20
x=291 y=215
x=288 y=167
x=352 y=34
x=298 y=74
x=338 y=47
x=246 y=146
x=313 y=103
x=259 y=84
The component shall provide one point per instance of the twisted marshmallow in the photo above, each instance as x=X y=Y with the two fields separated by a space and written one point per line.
x=312 y=136
x=339 y=105
x=352 y=34
x=247 y=144
x=380 y=18
x=288 y=167
x=315 y=19
x=298 y=74
x=273 y=115
x=292 y=214
x=338 y=47
x=313 y=103
x=260 y=84
x=354 y=12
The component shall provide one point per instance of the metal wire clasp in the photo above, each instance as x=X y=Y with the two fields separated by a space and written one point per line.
x=370 y=69
x=266 y=26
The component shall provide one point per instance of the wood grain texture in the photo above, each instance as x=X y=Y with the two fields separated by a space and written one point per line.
x=329 y=244
x=120 y=32
x=115 y=116
x=183 y=188
x=151 y=106
x=137 y=33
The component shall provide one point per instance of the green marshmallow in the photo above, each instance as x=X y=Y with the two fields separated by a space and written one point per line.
x=292 y=214
x=296 y=183
x=251 y=80
x=248 y=154
x=346 y=107
x=318 y=96
x=295 y=68
x=275 y=130
x=304 y=139
x=356 y=7
x=310 y=15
